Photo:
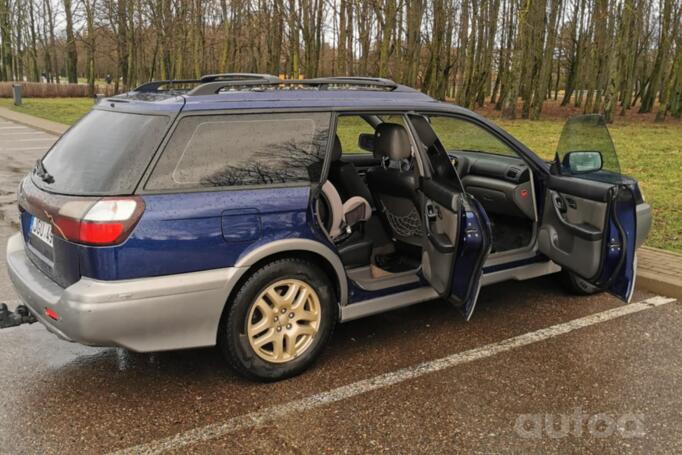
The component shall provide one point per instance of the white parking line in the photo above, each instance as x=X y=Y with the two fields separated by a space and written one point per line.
x=22 y=149
x=29 y=133
x=258 y=418
x=37 y=139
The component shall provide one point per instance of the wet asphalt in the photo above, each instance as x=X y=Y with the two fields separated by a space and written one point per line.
x=614 y=385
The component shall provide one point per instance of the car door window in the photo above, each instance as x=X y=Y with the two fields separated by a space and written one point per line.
x=350 y=127
x=441 y=165
x=243 y=150
x=585 y=150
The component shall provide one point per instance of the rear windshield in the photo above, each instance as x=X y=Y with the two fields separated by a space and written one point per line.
x=104 y=153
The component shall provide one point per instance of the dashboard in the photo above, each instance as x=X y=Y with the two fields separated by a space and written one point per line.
x=501 y=183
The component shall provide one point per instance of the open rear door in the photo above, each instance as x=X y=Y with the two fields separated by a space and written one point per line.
x=589 y=222
x=457 y=237
x=456 y=245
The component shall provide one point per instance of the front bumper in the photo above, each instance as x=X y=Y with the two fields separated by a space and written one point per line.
x=145 y=314
x=643 y=212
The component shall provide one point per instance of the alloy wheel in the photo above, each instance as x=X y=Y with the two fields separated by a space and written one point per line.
x=283 y=320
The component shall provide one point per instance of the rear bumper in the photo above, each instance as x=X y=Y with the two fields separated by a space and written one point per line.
x=146 y=314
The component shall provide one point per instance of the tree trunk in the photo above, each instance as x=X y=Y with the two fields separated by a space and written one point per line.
x=71 y=52
x=649 y=96
x=514 y=79
x=90 y=6
x=546 y=66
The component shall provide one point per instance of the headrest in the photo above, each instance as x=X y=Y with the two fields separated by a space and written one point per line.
x=336 y=150
x=391 y=140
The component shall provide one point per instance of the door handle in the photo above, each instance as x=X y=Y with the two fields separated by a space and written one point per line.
x=559 y=204
x=431 y=212
x=440 y=242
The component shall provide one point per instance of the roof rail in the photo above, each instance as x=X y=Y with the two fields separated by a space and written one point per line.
x=215 y=86
x=154 y=86
x=359 y=80
x=239 y=77
x=211 y=88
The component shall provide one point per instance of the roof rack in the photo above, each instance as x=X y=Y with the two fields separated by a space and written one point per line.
x=379 y=81
x=212 y=87
x=239 y=77
x=155 y=86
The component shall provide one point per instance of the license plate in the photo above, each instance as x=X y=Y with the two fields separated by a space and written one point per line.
x=42 y=230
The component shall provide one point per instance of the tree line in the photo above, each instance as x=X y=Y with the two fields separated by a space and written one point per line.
x=603 y=56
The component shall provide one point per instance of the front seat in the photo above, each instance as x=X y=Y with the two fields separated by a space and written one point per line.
x=394 y=183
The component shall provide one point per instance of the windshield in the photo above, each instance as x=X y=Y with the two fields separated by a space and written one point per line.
x=105 y=153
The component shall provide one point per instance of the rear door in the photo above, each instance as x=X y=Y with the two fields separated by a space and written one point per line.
x=457 y=237
x=588 y=224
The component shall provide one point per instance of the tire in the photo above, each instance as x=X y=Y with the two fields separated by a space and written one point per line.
x=576 y=285
x=258 y=306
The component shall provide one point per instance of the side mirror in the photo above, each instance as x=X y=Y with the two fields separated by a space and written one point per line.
x=582 y=162
x=366 y=141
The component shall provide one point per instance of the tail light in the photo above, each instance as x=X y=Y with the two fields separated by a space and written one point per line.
x=107 y=221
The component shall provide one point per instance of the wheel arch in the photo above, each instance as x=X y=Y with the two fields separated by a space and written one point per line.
x=307 y=249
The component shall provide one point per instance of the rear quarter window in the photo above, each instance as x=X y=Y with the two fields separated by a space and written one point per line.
x=236 y=150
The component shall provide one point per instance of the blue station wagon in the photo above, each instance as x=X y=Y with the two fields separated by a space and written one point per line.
x=254 y=213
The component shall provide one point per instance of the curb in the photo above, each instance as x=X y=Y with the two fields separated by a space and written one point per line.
x=665 y=282
x=666 y=252
x=659 y=284
x=34 y=122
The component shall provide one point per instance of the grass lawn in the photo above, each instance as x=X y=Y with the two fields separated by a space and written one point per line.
x=650 y=152
x=62 y=110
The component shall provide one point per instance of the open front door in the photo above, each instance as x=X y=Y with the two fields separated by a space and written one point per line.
x=589 y=221
x=457 y=236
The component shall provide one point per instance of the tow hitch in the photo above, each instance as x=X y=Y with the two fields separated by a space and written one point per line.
x=14 y=318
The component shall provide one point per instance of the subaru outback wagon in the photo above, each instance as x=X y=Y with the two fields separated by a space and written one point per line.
x=254 y=213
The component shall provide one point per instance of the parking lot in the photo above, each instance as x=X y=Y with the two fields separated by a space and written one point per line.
x=535 y=370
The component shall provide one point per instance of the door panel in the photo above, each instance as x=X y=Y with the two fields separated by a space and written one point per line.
x=574 y=244
x=581 y=187
x=583 y=211
x=437 y=260
x=456 y=243
x=589 y=228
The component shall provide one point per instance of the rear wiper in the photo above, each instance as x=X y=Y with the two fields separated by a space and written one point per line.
x=42 y=172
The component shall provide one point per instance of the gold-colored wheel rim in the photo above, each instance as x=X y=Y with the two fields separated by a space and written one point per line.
x=283 y=321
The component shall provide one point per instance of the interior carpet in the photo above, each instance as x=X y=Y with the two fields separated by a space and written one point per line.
x=510 y=233
x=396 y=263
